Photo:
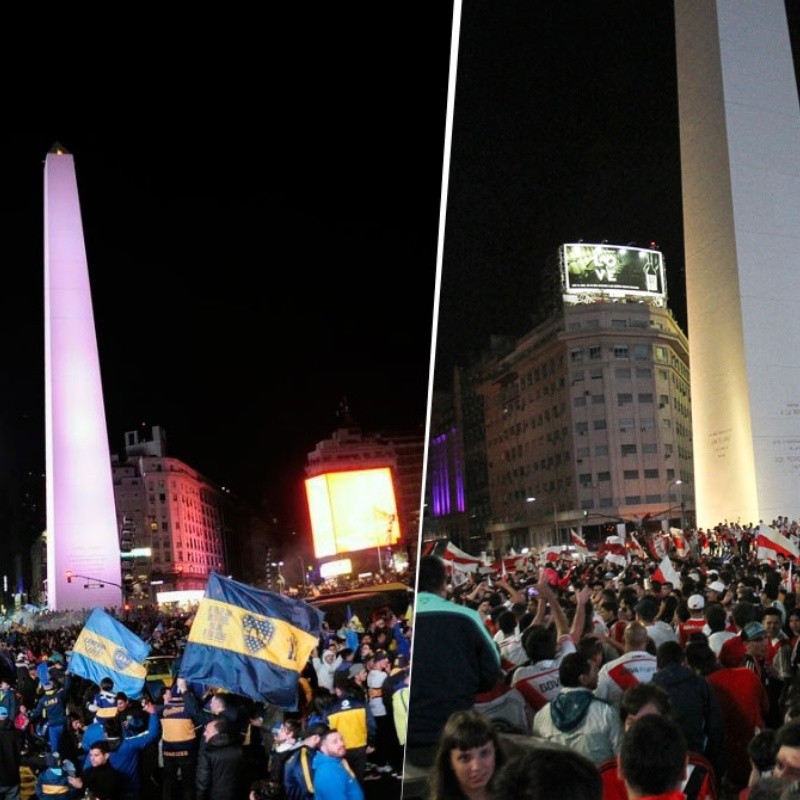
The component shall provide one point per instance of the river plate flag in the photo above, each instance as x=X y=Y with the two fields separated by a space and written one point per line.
x=105 y=648
x=251 y=642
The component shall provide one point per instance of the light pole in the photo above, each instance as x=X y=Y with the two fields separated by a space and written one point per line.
x=676 y=482
x=530 y=499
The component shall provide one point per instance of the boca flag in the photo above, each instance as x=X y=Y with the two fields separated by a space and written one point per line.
x=251 y=642
x=105 y=648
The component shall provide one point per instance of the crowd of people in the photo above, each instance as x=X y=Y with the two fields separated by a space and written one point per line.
x=674 y=674
x=179 y=739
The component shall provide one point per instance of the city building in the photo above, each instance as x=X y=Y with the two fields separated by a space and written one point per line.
x=176 y=526
x=585 y=424
x=350 y=448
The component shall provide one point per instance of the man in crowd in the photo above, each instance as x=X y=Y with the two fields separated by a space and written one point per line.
x=652 y=760
x=635 y=665
x=333 y=778
x=446 y=684
x=220 y=763
x=577 y=718
x=101 y=778
x=298 y=774
x=547 y=643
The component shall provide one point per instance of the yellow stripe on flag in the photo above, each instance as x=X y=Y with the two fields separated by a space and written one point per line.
x=100 y=649
x=230 y=627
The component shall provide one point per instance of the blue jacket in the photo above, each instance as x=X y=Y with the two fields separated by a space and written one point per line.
x=52 y=707
x=334 y=780
x=125 y=756
x=298 y=774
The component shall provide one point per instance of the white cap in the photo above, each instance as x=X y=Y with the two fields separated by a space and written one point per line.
x=716 y=586
x=696 y=602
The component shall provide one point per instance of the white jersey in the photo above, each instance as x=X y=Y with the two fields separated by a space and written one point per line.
x=539 y=683
x=629 y=669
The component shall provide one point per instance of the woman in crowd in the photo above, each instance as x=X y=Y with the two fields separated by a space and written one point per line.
x=469 y=755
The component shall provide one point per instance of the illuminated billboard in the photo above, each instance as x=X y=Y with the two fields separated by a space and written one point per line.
x=597 y=271
x=352 y=510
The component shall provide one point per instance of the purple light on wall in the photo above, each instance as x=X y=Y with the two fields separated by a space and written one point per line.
x=81 y=517
x=438 y=476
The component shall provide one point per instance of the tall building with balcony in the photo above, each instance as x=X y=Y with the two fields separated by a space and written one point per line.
x=176 y=526
x=586 y=419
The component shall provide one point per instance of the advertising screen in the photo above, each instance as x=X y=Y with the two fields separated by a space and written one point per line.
x=352 y=510
x=599 y=270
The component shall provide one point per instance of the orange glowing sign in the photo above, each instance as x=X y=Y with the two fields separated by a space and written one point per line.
x=352 y=510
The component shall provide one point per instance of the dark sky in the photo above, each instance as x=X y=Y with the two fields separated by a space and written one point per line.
x=565 y=128
x=261 y=225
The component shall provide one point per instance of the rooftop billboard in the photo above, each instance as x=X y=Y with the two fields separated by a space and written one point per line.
x=595 y=271
x=352 y=510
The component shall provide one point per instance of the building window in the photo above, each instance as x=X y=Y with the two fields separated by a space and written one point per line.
x=633 y=500
x=644 y=373
x=621 y=351
x=649 y=447
x=622 y=373
x=631 y=474
x=579 y=401
x=628 y=449
x=645 y=397
x=601 y=450
x=606 y=502
x=598 y=399
x=583 y=452
x=652 y=498
x=596 y=374
x=585 y=479
x=575 y=356
x=624 y=399
x=619 y=323
x=641 y=352
x=626 y=424
x=600 y=425
x=595 y=352
x=651 y=473
x=581 y=428
x=660 y=353
x=602 y=477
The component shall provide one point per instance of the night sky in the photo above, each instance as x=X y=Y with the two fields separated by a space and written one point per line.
x=565 y=128
x=261 y=228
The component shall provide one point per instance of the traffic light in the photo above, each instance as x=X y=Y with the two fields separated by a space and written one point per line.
x=69 y=576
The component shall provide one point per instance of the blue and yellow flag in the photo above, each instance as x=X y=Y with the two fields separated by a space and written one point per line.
x=251 y=642
x=105 y=648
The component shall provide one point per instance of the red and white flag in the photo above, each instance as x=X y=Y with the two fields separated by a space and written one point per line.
x=772 y=539
x=579 y=543
x=666 y=573
x=614 y=551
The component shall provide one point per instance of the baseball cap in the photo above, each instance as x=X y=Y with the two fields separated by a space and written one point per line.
x=752 y=631
x=355 y=669
x=696 y=602
x=716 y=586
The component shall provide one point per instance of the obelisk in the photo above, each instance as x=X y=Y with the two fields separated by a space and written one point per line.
x=82 y=536
x=740 y=167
